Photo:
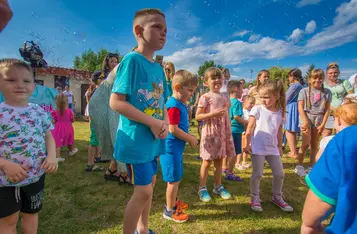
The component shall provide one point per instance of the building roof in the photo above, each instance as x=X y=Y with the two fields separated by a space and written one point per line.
x=68 y=72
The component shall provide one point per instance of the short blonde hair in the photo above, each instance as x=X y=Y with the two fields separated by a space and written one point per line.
x=249 y=99
x=184 y=79
x=333 y=66
x=348 y=113
x=147 y=11
x=9 y=63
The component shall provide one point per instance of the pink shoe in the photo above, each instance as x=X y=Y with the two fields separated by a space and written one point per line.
x=279 y=201
x=255 y=203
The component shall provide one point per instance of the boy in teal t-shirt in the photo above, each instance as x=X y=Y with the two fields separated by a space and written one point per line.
x=139 y=95
x=235 y=90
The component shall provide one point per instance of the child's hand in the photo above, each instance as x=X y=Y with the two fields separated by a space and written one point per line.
x=164 y=131
x=320 y=129
x=247 y=149
x=219 y=112
x=281 y=152
x=157 y=128
x=50 y=164
x=193 y=141
x=15 y=172
x=304 y=127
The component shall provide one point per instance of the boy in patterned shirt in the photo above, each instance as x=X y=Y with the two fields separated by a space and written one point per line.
x=27 y=149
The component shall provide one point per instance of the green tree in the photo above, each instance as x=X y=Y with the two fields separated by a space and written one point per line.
x=205 y=66
x=306 y=77
x=277 y=72
x=91 y=61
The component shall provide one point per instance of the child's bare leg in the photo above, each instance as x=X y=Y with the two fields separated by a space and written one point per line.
x=225 y=163
x=97 y=152
x=244 y=155
x=218 y=172
x=204 y=172
x=91 y=153
x=139 y=201
x=239 y=158
x=314 y=146
x=171 y=194
x=306 y=137
x=231 y=163
x=292 y=142
x=8 y=224
x=143 y=223
x=70 y=148
x=29 y=223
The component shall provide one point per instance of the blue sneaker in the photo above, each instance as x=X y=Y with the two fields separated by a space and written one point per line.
x=220 y=191
x=204 y=195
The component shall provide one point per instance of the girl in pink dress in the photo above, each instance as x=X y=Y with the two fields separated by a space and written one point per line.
x=63 y=132
x=216 y=138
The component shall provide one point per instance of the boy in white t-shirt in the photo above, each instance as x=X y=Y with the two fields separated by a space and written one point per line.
x=69 y=96
x=248 y=104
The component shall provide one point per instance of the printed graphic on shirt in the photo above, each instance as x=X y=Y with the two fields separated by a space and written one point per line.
x=153 y=99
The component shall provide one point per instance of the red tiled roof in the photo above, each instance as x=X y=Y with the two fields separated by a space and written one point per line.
x=69 y=72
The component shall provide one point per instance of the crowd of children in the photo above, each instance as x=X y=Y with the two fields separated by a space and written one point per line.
x=233 y=122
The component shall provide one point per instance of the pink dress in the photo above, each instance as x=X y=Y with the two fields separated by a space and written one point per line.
x=63 y=132
x=216 y=136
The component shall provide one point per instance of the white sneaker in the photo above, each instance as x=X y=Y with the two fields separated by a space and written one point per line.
x=73 y=152
x=300 y=170
x=309 y=170
x=60 y=159
x=240 y=167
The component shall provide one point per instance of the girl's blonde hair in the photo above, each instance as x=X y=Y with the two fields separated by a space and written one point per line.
x=316 y=73
x=348 y=113
x=276 y=87
x=61 y=103
x=249 y=99
x=172 y=70
x=261 y=72
x=212 y=72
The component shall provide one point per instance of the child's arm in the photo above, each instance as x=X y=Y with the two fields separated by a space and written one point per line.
x=324 y=120
x=303 y=115
x=119 y=104
x=248 y=134
x=201 y=115
x=280 y=140
x=15 y=172
x=165 y=130
x=240 y=120
x=319 y=153
x=182 y=135
x=50 y=163
x=314 y=210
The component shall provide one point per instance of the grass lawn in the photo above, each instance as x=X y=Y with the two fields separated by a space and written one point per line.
x=82 y=202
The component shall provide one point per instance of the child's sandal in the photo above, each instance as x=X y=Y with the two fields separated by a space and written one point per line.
x=233 y=177
x=111 y=176
x=93 y=167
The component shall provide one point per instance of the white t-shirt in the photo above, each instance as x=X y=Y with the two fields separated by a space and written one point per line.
x=246 y=114
x=69 y=96
x=324 y=141
x=352 y=80
x=265 y=138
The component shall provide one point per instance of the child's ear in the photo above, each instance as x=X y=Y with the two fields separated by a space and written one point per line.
x=339 y=123
x=177 y=87
x=138 y=30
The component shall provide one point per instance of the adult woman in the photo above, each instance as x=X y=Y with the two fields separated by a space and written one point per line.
x=169 y=72
x=339 y=89
x=262 y=76
x=291 y=125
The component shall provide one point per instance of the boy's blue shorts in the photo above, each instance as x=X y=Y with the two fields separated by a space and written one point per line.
x=172 y=167
x=141 y=173
x=237 y=140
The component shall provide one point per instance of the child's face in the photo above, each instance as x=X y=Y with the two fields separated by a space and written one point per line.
x=239 y=91
x=263 y=77
x=185 y=93
x=267 y=99
x=214 y=83
x=227 y=75
x=154 y=32
x=17 y=85
x=316 y=81
x=113 y=61
x=248 y=105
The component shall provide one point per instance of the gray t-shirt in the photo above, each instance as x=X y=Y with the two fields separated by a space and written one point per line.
x=317 y=100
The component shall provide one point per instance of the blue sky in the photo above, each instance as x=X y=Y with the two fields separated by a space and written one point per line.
x=239 y=34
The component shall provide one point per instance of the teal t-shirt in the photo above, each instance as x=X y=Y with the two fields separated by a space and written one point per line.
x=236 y=110
x=144 y=84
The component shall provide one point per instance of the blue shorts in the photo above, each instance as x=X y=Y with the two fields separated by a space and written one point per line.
x=141 y=173
x=172 y=167
x=237 y=140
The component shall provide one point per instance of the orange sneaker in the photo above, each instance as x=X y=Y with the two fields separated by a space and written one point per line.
x=181 y=205
x=175 y=215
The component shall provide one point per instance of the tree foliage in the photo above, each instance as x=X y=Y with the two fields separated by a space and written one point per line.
x=91 y=61
x=306 y=76
x=278 y=72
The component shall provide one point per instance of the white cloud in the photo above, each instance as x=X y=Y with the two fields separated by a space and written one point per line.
x=240 y=33
x=304 y=68
x=347 y=73
x=310 y=27
x=236 y=69
x=303 y=3
x=254 y=37
x=259 y=47
x=193 y=40
x=296 y=35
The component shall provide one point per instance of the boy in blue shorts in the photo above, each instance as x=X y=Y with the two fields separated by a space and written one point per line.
x=184 y=85
x=235 y=91
x=333 y=185
x=139 y=95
